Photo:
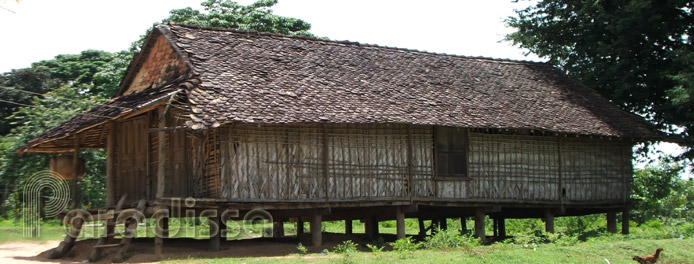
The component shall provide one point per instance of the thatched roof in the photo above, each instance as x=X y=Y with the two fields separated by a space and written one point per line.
x=267 y=78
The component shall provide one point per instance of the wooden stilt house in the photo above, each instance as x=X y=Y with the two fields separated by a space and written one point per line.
x=314 y=130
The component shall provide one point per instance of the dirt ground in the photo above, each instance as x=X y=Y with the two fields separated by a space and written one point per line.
x=142 y=249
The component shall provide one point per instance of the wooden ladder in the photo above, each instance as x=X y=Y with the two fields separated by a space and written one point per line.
x=106 y=240
x=130 y=228
x=69 y=240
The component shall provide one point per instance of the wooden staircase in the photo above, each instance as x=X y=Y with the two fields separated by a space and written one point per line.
x=106 y=240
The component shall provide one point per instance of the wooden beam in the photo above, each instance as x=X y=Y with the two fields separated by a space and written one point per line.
x=422 y=228
x=75 y=170
x=161 y=156
x=479 y=224
x=316 y=232
x=110 y=167
x=612 y=221
x=400 y=222
x=549 y=221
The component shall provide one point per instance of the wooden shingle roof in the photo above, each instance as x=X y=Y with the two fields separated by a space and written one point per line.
x=248 y=77
x=267 y=78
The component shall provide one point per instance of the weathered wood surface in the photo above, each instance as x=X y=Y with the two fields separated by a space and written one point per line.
x=131 y=152
x=273 y=162
x=246 y=162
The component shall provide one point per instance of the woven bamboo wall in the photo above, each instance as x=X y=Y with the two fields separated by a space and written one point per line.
x=371 y=162
x=514 y=167
x=595 y=169
x=287 y=162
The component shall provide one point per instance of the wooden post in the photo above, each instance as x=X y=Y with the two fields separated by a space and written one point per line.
x=299 y=227
x=348 y=226
x=502 y=226
x=372 y=224
x=495 y=227
x=326 y=162
x=443 y=224
x=479 y=224
x=278 y=228
x=316 y=235
x=400 y=222
x=161 y=154
x=435 y=225
x=422 y=229
x=110 y=168
x=159 y=228
x=215 y=234
x=75 y=170
x=463 y=225
x=625 y=220
x=549 y=221
x=611 y=221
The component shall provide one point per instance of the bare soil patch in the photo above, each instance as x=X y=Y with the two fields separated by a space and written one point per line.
x=142 y=249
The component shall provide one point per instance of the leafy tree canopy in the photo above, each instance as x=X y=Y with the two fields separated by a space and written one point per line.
x=637 y=53
x=229 y=14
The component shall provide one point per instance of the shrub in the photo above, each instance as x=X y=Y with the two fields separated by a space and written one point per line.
x=405 y=246
x=347 y=248
x=302 y=249
x=447 y=239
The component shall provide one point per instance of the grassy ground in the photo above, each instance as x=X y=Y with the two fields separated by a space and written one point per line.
x=583 y=240
x=614 y=250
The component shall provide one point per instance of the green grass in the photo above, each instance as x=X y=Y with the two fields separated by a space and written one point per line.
x=615 y=250
x=583 y=240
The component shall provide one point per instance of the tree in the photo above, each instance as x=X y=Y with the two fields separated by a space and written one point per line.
x=636 y=53
x=95 y=72
x=229 y=14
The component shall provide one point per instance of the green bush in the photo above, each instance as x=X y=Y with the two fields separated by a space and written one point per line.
x=405 y=246
x=448 y=239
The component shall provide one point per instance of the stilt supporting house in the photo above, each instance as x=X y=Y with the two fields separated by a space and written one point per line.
x=316 y=229
x=215 y=233
x=299 y=227
x=501 y=225
x=625 y=220
x=549 y=221
x=480 y=224
x=612 y=221
x=348 y=226
x=463 y=225
x=278 y=228
x=400 y=222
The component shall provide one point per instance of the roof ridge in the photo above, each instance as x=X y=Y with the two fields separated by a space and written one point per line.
x=356 y=43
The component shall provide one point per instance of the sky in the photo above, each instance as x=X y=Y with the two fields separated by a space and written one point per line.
x=34 y=30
